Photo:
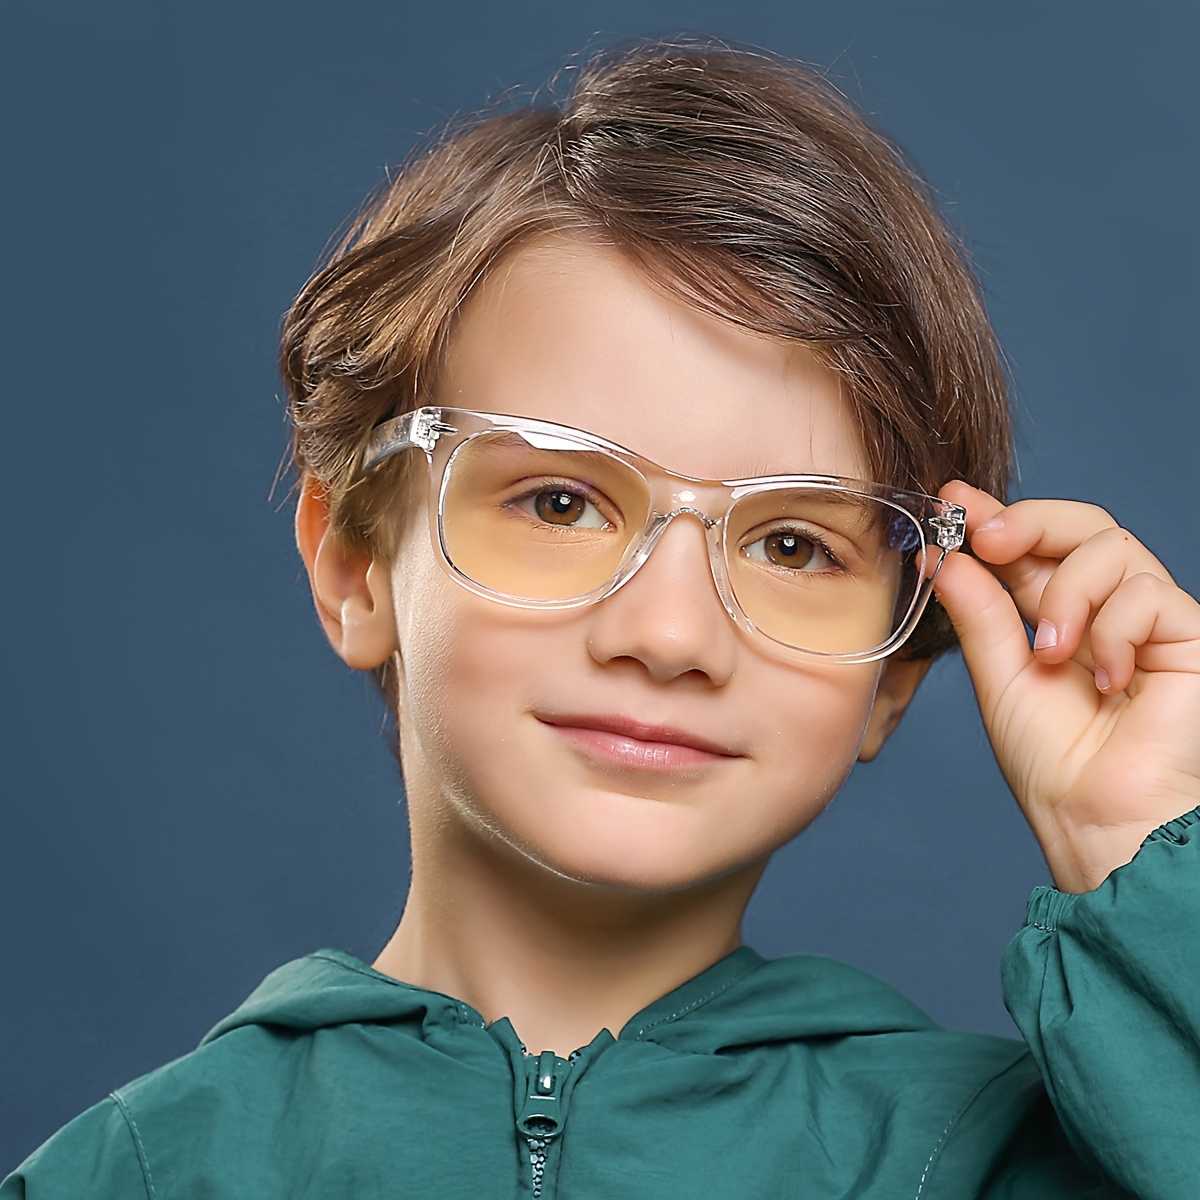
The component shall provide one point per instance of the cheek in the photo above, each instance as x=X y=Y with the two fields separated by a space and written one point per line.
x=466 y=665
x=821 y=716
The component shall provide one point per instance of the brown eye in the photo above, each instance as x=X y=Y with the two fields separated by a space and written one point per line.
x=790 y=549
x=559 y=507
x=563 y=506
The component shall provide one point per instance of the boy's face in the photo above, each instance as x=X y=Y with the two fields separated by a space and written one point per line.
x=495 y=701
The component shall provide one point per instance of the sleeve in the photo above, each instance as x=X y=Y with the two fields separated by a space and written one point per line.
x=97 y=1156
x=1105 y=986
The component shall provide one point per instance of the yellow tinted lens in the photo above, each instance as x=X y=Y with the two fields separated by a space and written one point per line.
x=822 y=570
x=548 y=521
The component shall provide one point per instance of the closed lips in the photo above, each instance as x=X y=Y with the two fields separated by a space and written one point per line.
x=624 y=727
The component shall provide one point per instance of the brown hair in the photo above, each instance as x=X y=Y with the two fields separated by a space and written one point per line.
x=743 y=183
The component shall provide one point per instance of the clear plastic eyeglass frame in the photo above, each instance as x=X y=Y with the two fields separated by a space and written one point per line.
x=439 y=432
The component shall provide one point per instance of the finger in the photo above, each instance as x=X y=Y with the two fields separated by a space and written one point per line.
x=1148 y=623
x=1024 y=576
x=1052 y=529
x=980 y=505
x=1044 y=528
x=1025 y=542
x=1084 y=581
x=990 y=631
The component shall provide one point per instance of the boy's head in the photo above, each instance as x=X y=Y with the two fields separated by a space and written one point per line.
x=741 y=184
x=646 y=743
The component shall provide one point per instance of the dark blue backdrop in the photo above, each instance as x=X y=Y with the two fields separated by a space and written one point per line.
x=194 y=788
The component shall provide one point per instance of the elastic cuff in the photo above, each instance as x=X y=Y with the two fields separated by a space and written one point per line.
x=1178 y=831
x=1047 y=906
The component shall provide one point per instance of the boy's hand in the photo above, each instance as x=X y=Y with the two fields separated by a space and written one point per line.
x=1097 y=728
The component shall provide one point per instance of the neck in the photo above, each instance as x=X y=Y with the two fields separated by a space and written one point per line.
x=560 y=959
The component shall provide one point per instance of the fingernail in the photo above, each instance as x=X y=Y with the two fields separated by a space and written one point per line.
x=990 y=526
x=1102 y=680
x=1045 y=637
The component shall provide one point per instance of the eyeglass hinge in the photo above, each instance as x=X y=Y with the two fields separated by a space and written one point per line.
x=427 y=427
x=950 y=527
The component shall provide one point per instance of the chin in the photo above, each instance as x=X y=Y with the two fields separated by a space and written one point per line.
x=665 y=850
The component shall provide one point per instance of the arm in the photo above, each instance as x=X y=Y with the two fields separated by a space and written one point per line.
x=1097 y=726
x=98 y=1155
x=1105 y=986
x=1097 y=729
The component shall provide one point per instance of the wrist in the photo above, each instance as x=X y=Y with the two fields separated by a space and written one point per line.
x=1083 y=854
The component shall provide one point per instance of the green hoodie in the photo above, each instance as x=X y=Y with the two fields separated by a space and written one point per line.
x=795 y=1077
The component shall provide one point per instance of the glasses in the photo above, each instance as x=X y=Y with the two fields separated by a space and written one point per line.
x=539 y=515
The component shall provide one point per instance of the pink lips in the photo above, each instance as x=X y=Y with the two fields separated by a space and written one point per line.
x=633 y=744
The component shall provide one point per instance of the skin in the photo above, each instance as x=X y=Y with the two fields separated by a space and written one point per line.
x=1095 y=726
x=566 y=893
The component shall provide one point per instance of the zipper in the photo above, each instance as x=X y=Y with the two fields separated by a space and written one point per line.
x=543 y=1111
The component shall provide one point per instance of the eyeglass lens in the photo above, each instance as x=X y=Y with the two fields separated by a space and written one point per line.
x=815 y=568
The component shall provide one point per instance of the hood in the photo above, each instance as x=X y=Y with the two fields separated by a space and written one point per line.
x=742 y=1000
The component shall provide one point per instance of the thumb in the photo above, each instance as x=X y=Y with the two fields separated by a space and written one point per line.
x=994 y=643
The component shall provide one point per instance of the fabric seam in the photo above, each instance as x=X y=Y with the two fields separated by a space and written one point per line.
x=465 y=1014
x=939 y=1144
x=366 y=974
x=687 y=1008
x=931 y=1164
x=139 y=1148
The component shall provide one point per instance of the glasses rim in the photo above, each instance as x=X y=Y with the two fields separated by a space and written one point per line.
x=439 y=429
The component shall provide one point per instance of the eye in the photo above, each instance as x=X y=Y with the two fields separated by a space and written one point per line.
x=558 y=504
x=794 y=549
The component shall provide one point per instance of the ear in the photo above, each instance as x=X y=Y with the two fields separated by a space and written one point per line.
x=897 y=684
x=351 y=588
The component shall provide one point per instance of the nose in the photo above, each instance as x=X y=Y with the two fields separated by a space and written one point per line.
x=669 y=616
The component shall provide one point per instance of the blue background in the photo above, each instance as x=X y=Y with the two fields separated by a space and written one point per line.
x=195 y=789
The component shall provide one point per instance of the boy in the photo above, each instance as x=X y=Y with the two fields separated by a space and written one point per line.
x=619 y=429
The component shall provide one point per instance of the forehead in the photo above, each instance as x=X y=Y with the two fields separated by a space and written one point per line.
x=572 y=331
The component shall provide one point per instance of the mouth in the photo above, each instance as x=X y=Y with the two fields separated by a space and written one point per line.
x=621 y=742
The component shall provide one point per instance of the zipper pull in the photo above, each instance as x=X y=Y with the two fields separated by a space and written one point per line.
x=540 y=1114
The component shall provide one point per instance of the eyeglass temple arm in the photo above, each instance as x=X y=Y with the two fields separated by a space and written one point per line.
x=413 y=430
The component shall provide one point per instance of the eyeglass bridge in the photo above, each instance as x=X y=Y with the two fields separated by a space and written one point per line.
x=707 y=521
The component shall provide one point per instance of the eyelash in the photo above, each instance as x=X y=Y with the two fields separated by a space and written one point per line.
x=573 y=486
x=808 y=535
